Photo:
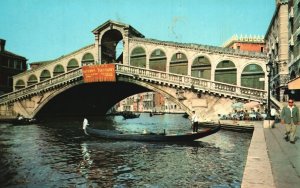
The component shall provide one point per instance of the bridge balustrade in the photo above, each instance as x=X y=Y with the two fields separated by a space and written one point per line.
x=178 y=80
x=191 y=82
x=59 y=79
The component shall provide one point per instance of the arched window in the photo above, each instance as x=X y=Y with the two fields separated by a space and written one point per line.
x=45 y=75
x=158 y=60
x=19 y=84
x=179 y=64
x=32 y=80
x=201 y=68
x=226 y=72
x=58 y=69
x=138 y=57
x=87 y=59
x=252 y=76
x=72 y=64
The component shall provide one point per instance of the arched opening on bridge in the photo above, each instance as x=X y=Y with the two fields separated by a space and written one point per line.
x=138 y=57
x=72 y=64
x=112 y=47
x=19 y=84
x=252 y=75
x=32 y=80
x=158 y=60
x=179 y=64
x=226 y=72
x=45 y=75
x=119 y=51
x=58 y=69
x=201 y=68
x=87 y=59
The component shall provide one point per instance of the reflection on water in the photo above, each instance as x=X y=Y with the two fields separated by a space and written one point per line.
x=57 y=154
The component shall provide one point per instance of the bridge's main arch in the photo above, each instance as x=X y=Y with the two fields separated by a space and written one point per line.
x=86 y=99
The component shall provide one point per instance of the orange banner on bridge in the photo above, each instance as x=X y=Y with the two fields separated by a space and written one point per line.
x=99 y=73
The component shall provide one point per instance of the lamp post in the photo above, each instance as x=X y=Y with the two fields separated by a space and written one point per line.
x=269 y=66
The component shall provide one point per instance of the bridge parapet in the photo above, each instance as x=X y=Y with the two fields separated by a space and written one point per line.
x=189 y=82
x=44 y=85
x=147 y=75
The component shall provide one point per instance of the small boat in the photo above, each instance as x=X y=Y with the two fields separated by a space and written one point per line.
x=149 y=137
x=156 y=113
x=24 y=121
x=185 y=115
x=130 y=115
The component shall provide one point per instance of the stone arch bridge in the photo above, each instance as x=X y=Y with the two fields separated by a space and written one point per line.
x=203 y=78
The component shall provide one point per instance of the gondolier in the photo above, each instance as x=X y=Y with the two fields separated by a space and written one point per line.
x=85 y=124
x=195 y=120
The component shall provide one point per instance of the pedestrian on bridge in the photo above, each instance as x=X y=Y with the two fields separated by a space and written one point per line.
x=290 y=117
x=195 y=120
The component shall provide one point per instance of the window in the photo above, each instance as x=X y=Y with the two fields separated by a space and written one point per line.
x=178 y=55
x=200 y=59
x=157 y=52
x=252 y=67
x=238 y=47
x=10 y=63
x=261 y=49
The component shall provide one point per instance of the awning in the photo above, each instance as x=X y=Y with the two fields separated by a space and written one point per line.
x=294 y=84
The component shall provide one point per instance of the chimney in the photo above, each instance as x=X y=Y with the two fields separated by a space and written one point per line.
x=2 y=45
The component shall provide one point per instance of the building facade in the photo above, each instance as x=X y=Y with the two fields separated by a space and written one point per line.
x=294 y=49
x=277 y=48
x=148 y=102
x=246 y=43
x=10 y=65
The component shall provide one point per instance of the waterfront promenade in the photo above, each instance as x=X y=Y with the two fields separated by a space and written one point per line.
x=271 y=161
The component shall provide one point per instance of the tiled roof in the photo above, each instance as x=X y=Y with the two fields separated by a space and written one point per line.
x=8 y=53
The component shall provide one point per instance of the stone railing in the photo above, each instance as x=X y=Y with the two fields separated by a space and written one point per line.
x=147 y=75
x=185 y=81
x=38 y=87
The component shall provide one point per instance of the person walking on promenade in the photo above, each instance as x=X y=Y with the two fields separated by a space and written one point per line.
x=194 y=122
x=290 y=117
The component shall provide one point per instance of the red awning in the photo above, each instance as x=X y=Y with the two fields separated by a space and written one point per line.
x=294 y=84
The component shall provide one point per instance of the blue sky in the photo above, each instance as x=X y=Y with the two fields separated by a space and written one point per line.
x=46 y=29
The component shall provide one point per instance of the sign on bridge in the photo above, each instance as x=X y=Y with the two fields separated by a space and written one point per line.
x=99 y=73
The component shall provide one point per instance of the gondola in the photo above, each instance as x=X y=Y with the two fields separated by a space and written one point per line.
x=156 y=113
x=185 y=115
x=150 y=137
x=23 y=121
x=130 y=115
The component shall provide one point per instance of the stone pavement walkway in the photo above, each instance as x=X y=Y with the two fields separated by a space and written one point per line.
x=271 y=161
x=284 y=157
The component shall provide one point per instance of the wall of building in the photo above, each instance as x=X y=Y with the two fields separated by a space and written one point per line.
x=252 y=47
x=10 y=65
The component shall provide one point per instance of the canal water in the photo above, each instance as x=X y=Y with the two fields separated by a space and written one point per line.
x=56 y=153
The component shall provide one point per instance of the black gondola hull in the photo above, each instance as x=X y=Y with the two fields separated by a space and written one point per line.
x=116 y=135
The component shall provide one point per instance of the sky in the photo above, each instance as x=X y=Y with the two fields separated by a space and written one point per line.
x=42 y=30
